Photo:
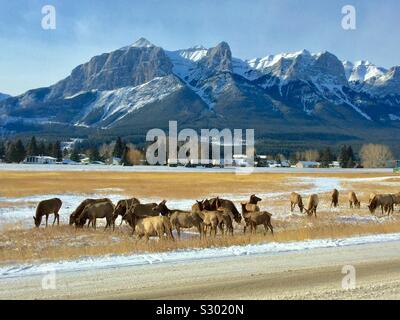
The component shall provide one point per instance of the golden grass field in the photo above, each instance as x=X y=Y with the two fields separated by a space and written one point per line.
x=19 y=242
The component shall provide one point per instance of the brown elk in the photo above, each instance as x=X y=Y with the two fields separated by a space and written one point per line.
x=252 y=205
x=335 y=198
x=253 y=219
x=75 y=215
x=97 y=210
x=151 y=227
x=295 y=199
x=122 y=207
x=353 y=200
x=216 y=203
x=180 y=219
x=140 y=210
x=209 y=218
x=385 y=201
x=312 y=205
x=45 y=208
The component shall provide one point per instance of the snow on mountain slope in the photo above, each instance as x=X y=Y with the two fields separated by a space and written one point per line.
x=362 y=70
x=111 y=106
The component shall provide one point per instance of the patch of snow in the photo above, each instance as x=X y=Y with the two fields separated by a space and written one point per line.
x=393 y=117
x=116 y=261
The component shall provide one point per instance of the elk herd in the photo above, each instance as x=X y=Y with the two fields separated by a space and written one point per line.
x=207 y=217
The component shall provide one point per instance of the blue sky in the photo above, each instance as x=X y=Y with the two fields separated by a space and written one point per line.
x=31 y=57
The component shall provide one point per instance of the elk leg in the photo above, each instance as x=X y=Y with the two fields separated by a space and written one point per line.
x=55 y=218
x=271 y=227
x=47 y=219
x=178 y=231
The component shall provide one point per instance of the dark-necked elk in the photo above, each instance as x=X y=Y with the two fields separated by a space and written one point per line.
x=253 y=219
x=45 y=208
x=335 y=198
x=75 y=215
x=140 y=210
x=151 y=227
x=180 y=219
x=296 y=200
x=312 y=205
x=385 y=201
x=216 y=203
x=252 y=205
x=353 y=200
x=97 y=210
x=122 y=207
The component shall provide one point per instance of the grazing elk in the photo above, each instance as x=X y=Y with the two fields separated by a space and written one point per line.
x=122 y=207
x=45 y=208
x=385 y=201
x=253 y=219
x=151 y=227
x=396 y=199
x=74 y=216
x=216 y=203
x=141 y=211
x=353 y=200
x=97 y=210
x=180 y=219
x=296 y=200
x=335 y=198
x=312 y=205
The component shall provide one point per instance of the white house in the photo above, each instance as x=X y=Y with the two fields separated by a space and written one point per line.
x=308 y=164
x=39 y=160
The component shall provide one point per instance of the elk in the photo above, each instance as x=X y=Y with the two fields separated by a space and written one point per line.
x=45 y=208
x=256 y=218
x=98 y=210
x=295 y=199
x=252 y=204
x=122 y=207
x=209 y=218
x=353 y=200
x=75 y=215
x=312 y=205
x=335 y=198
x=385 y=201
x=148 y=227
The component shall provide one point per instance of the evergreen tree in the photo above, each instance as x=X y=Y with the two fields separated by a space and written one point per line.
x=125 y=161
x=94 y=154
x=326 y=157
x=75 y=155
x=42 y=149
x=351 y=157
x=32 y=149
x=49 y=150
x=56 y=151
x=119 y=148
x=2 y=149
x=343 y=157
x=15 y=152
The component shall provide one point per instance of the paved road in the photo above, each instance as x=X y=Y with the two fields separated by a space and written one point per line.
x=311 y=274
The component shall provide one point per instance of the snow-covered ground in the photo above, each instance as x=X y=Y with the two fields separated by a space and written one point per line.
x=117 y=261
x=23 y=212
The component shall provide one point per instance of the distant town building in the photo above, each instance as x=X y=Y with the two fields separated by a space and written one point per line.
x=334 y=164
x=308 y=164
x=39 y=160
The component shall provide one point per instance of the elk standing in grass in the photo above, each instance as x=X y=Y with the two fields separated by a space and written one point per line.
x=180 y=219
x=45 y=208
x=209 y=218
x=151 y=227
x=335 y=198
x=252 y=205
x=98 y=210
x=296 y=200
x=353 y=200
x=73 y=218
x=385 y=201
x=312 y=205
x=122 y=207
x=255 y=218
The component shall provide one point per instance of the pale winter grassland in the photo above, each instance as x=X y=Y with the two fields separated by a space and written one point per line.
x=21 y=243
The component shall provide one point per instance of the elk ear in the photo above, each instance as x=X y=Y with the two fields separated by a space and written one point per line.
x=164 y=202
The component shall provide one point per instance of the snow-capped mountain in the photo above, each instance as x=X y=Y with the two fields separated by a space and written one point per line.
x=4 y=96
x=142 y=86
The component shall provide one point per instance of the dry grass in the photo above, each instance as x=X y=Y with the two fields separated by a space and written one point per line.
x=66 y=242
x=21 y=245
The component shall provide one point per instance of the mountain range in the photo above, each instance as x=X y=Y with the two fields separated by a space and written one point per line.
x=3 y=96
x=290 y=99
